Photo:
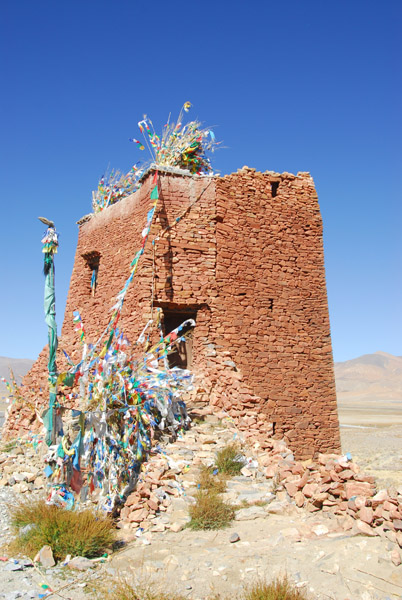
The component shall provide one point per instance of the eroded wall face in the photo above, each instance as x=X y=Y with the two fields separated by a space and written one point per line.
x=273 y=314
x=242 y=253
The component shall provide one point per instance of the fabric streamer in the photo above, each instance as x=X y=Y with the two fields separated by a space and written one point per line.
x=121 y=404
x=115 y=186
x=181 y=146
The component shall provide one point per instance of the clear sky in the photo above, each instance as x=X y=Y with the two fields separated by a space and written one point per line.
x=291 y=85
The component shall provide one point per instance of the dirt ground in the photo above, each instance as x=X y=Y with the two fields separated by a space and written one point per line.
x=372 y=433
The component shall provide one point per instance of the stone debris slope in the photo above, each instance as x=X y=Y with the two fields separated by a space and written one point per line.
x=323 y=522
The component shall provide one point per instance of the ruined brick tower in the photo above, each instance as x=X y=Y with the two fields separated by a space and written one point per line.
x=246 y=262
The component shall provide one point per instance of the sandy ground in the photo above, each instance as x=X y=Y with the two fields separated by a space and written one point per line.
x=372 y=433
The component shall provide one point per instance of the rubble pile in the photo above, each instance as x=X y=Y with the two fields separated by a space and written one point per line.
x=21 y=466
x=331 y=483
x=271 y=481
x=334 y=483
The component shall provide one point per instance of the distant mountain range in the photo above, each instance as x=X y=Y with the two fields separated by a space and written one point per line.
x=20 y=367
x=369 y=377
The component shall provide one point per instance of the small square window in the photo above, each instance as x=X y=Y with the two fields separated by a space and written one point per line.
x=274 y=188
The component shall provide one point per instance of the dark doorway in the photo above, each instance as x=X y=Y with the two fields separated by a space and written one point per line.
x=92 y=260
x=181 y=354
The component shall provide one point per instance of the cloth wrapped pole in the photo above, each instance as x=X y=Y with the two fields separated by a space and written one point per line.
x=50 y=243
x=50 y=318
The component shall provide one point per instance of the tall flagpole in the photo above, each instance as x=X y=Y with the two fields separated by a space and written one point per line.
x=50 y=244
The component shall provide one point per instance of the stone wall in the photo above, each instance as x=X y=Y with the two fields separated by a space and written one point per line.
x=246 y=260
x=273 y=313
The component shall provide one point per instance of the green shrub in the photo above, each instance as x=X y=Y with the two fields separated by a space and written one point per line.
x=230 y=460
x=210 y=511
x=79 y=533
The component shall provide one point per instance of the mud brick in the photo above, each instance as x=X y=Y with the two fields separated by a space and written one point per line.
x=247 y=261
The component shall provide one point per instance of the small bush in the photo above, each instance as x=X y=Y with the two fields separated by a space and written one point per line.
x=79 y=533
x=121 y=589
x=8 y=446
x=208 y=481
x=279 y=589
x=246 y=504
x=230 y=460
x=210 y=511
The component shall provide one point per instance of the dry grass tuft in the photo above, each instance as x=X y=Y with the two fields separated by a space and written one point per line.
x=210 y=511
x=79 y=533
x=279 y=589
x=8 y=446
x=208 y=481
x=230 y=460
x=121 y=589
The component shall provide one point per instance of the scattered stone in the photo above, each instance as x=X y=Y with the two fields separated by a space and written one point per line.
x=357 y=488
x=13 y=566
x=234 y=538
x=379 y=498
x=397 y=525
x=80 y=563
x=366 y=515
x=396 y=557
x=360 y=502
x=276 y=508
x=364 y=528
x=299 y=499
x=320 y=529
x=45 y=557
x=250 y=513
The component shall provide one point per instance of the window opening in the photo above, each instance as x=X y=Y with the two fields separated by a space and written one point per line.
x=181 y=354
x=274 y=188
x=92 y=261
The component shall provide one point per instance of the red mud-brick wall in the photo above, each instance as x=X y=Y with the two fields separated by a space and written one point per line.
x=115 y=234
x=251 y=267
x=185 y=256
x=179 y=268
x=185 y=276
x=273 y=311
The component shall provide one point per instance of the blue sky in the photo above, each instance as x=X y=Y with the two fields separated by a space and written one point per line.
x=290 y=86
